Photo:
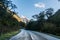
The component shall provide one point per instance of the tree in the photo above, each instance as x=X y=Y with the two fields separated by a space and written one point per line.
x=41 y=17
x=7 y=21
x=40 y=20
x=32 y=25
x=7 y=4
x=49 y=12
x=58 y=0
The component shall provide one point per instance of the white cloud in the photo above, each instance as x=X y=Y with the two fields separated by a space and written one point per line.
x=39 y=5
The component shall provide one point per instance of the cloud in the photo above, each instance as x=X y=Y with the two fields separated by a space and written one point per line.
x=39 y=5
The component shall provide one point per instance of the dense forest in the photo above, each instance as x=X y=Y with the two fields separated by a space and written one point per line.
x=46 y=21
x=7 y=21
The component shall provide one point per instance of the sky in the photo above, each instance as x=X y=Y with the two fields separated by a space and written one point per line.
x=28 y=8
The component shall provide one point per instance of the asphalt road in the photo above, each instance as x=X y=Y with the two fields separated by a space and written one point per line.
x=32 y=35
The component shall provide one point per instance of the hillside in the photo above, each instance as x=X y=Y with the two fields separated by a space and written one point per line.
x=55 y=17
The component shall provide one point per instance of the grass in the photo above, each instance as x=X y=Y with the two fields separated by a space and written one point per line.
x=53 y=35
x=7 y=36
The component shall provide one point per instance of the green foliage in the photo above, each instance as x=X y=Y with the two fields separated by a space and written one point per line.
x=49 y=12
x=49 y=25
x=31 y=26
x=22 y=24
x=7 y=3
x=7 y=22
x=8 y=35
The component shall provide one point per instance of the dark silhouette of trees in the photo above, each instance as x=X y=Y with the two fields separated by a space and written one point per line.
x=49 y=12
x=49 y=25
x=22 y=24
x=7 y=3
x=58 y=0
x=32 y=25
x=36 y=25
x=7 y=22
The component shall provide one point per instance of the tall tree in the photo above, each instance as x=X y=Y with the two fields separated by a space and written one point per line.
x=7 y=4
x=49 y=12
x=58 y=0
x=40 y=20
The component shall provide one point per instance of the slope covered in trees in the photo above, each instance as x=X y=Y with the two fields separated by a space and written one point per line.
x=7 y=21
x=49 y=25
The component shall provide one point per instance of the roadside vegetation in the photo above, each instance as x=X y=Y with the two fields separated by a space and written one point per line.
x=9 y=26
x=8 y=35
x=46 y=21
